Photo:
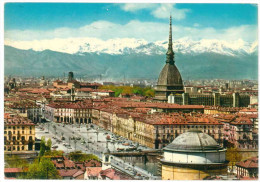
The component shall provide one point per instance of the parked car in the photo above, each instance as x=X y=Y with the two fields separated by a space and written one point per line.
x=120 y=149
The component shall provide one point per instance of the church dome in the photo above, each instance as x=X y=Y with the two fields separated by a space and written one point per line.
x=170 y=76
x=193 y=140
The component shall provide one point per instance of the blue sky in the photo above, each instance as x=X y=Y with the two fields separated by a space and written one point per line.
x=36 y=21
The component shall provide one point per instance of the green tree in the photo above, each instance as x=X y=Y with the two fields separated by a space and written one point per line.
x=45 y=169
x=42 y=146
x=81 y=157
x=149 y=93
x=53 y=153
x=233 y=156
x=48 y=145
x=15 y=161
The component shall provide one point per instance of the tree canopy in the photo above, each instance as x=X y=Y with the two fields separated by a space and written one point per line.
x=15 y=161
x=147 y=91
x=42 y=169
x=81 y=157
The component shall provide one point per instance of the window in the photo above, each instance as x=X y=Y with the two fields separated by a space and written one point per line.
x=107 y=158
x=14 y=127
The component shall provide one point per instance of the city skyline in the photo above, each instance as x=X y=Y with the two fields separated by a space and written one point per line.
x=103 y=91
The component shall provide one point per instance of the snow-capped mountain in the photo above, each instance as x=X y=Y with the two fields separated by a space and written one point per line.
x=131 y=45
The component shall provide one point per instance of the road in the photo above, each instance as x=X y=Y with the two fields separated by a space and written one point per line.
x=93 y=141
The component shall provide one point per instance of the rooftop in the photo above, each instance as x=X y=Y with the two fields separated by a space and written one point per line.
x=193 y=140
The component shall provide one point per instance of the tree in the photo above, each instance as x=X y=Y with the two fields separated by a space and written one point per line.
x=53 y=153
x=81 y=157
x=15 y=161
x=233 y=156
x=48 y=146
x=45 y=169
x=149 y=93
x=42 y=146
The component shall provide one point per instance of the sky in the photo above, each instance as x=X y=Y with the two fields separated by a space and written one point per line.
x=41 y=21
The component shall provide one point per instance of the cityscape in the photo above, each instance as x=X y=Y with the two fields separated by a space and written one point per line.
x=135 y=101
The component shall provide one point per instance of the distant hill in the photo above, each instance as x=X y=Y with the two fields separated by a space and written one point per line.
x=202 y=65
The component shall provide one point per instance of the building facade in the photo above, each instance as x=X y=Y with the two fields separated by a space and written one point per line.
x=215 y=99
x=19 y=133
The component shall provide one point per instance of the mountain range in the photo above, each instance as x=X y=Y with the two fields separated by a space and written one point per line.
x=131 y=58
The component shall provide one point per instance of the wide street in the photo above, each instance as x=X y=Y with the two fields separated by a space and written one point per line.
x=89 y=138
x=85 y=137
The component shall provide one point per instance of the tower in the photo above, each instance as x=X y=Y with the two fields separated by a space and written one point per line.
x=70 y=77
x=72 y=93
x=106 y=158
x=170 y=80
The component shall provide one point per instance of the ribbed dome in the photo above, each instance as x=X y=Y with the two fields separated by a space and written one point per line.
x=193 y=140
x=170 y=76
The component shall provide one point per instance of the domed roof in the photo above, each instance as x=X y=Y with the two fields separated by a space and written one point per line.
x=170 y=76
x=193 y=140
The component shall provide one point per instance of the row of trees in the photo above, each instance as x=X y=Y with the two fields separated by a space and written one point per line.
x=15 y=161
x=146 y=91
x=78 y=156
x=42 y=167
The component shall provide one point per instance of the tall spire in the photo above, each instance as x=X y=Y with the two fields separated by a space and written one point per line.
x=170 y=53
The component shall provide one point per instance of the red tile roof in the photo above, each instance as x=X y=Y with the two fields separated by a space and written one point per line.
x=114 y=175
x=80 y=172
x=17 y=120
x=93 y=171
x=92 y=163
x=247 y=178
x=67 y=172
x=13 y=170
x=249 y=163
